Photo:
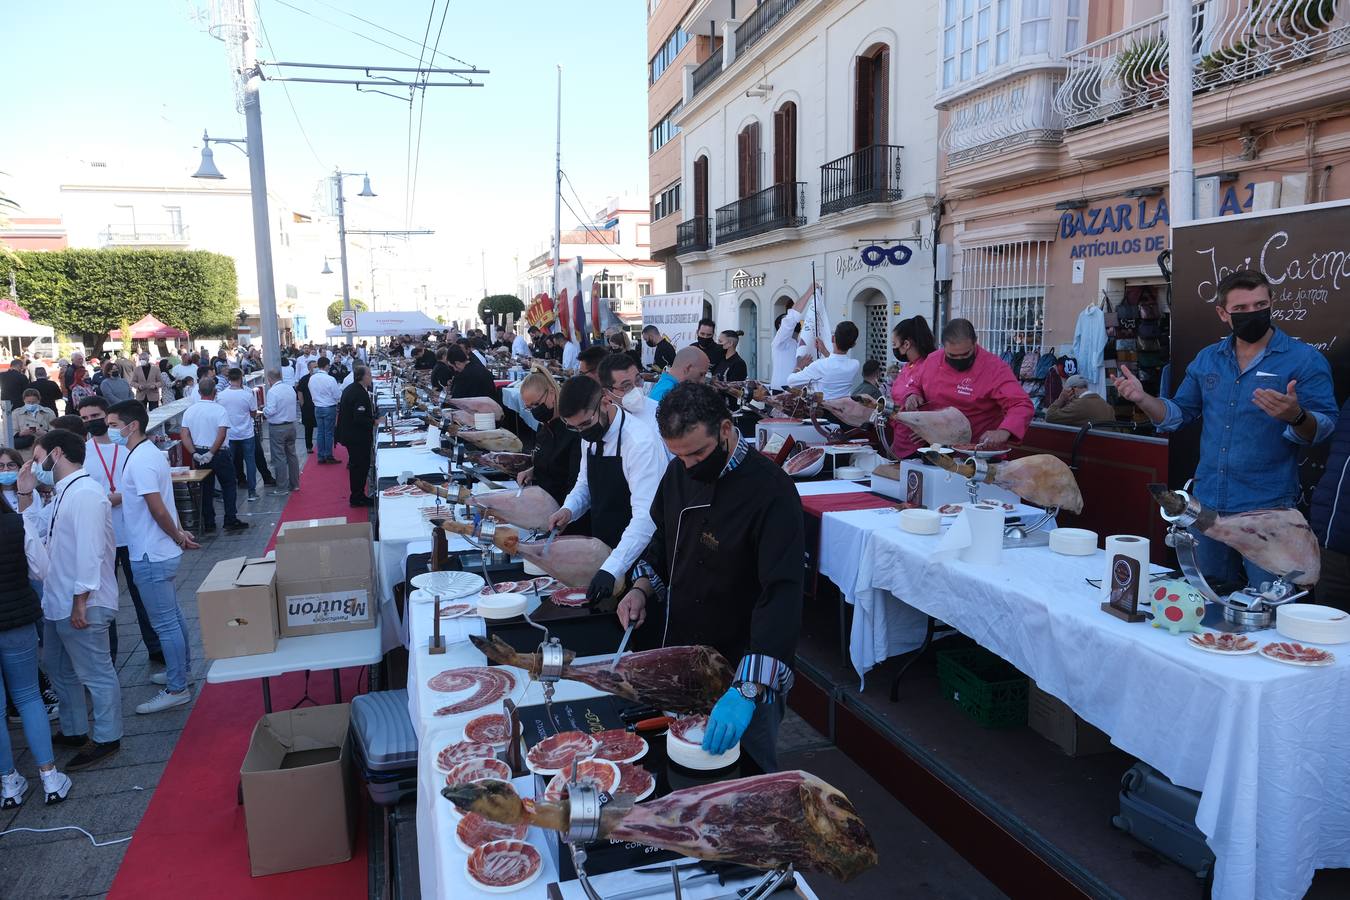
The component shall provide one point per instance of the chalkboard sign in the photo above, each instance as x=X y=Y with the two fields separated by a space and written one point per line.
x=1305 y=252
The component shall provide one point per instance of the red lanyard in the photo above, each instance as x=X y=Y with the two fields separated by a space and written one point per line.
x=112 y=481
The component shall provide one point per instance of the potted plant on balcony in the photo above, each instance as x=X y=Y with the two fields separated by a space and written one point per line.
x=1298 y=18
x=1238 y=60
x=1141 y=69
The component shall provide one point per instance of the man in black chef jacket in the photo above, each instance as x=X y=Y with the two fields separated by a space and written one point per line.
x=724 y=566
x=665 y=350
x=472 y=379
x=356 y=421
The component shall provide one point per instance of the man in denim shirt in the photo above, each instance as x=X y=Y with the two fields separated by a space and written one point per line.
x=1263 y=397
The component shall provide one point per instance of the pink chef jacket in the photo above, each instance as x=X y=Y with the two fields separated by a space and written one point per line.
x=988 y=393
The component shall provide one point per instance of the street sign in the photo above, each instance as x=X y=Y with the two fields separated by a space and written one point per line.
x=349 y=320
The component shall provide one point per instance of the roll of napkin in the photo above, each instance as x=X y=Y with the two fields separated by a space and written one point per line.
x=1131 y=545
x=975 y=537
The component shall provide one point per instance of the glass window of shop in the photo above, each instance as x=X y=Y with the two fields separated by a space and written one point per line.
x=666 y=55
x=1002 y=292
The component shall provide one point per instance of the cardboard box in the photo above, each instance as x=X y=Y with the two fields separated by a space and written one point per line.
x=237 y=608
x=1053 y=720
x=325 y=579
x=310 y=523
x=299 y=805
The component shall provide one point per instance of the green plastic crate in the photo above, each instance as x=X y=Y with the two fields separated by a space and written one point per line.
x=984 y=686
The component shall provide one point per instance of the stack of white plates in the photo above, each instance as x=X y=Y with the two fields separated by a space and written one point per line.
x=1312 y=623
x=849 y=473
x=1073 y=541
x=502 y=606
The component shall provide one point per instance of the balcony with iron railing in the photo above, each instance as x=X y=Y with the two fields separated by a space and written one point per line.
x=747 y=33
x=1005 y=131
x=1233 y=41
x=778 y=206
x=168 y=234
x=760 y=22
x=693 y=235
x=707 y=70
x=869 y=175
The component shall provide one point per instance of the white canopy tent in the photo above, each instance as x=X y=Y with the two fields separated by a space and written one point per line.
x=13 y=326
x=390 y=324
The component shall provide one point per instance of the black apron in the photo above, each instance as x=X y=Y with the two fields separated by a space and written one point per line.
x=555 y=468
x=611 y=499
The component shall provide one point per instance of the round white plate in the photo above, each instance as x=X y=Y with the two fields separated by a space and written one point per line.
x=502 y=606
x=1253 y=649
x=1298 y=662
x=961 y=506
x=450 y=585
x=455 y=610
x=502 y=890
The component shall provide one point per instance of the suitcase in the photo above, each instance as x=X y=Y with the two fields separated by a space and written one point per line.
x=386 y=745
x=1160 y=814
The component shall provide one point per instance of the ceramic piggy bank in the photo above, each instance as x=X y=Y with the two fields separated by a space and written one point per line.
x=1177 y=606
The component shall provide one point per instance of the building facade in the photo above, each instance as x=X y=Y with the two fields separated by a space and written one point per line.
x=1054 y=163
x=615 y=247
x=809 y=136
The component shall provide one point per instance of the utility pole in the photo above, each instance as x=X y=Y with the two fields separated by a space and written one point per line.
x=257 y=174
x=557 y=194
x=1181 y=170
x=342 y=244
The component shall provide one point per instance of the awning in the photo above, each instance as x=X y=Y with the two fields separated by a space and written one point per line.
x=390 y=324
x=13 y=326
x=148 y=329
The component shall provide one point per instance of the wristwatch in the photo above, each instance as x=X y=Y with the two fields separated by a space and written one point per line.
x=1302 y=416
x=750 y=690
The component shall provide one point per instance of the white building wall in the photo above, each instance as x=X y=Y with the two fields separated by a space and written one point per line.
x=810 y=59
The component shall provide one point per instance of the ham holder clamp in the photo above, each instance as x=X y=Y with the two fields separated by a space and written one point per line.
x=1042 y=479
x=1277 y=540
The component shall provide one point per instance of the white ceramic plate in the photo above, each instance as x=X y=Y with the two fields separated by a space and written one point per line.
x=449 y=585
x=956 y=508
x=1330 y=658
x=1198 y=645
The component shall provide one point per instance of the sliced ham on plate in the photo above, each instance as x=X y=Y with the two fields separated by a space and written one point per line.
x=474 y=831
x=499 y=866
x=555 y=753
x=617 y=745
x=492 y=728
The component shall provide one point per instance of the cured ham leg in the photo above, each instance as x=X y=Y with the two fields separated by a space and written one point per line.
x=850 y=411
x=572 y=559
x=510 y=463
x=768 y=821
x=944 y=427
x=531 y=509
x=1041 y=479
x=452 y=494
x=477 y=405
x=683 y=679
x=1277 y=540
x=498 y=439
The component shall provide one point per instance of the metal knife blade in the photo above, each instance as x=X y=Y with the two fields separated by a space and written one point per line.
x=623 y=645
x=549 y=543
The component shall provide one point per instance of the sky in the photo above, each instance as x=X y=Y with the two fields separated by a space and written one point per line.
x=143 y=78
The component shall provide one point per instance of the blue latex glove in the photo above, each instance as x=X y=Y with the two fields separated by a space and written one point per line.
x=728 y=721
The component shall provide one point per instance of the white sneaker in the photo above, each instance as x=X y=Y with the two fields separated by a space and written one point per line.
x=13 y=787
x=160 y=678
x=55 y=784
x=162 y=701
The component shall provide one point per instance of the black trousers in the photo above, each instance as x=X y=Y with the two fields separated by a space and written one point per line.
x=309 y=437
x=358 y=469
x=1333 y=589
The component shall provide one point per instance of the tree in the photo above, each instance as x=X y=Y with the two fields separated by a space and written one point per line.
x=91 y=292
x=499 y=305
x=335 y=310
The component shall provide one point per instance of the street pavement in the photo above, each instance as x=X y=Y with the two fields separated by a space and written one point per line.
x=109 y=799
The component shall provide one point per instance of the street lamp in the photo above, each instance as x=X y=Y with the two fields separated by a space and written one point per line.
x=252 y=147
x=338 y=175
x=327 y=270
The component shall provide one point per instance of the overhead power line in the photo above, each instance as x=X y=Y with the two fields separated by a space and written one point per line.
x=421 y=117
x=271 y=48
x=390 y=31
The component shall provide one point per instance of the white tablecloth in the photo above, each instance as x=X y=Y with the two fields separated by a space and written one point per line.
x=402 y=521
x=1267 y=744
x=816 y=488
x=390 y=461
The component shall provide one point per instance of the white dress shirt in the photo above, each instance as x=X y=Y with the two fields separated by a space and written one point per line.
x=239 y=404
x=521 y=347
x=351 y=376
x=834 y=376
x=288 y=375
x=323 y=388
x=203 y=420
x=644 y=462
x=71 y=547
x=147 y=472
x=571 y=350
x=784 y=349
x=481 y=358
x=104 y=462
x=279 y=407
x=183 y=370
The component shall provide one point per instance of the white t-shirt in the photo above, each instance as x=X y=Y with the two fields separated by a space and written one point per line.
x=324 y=390
x=203 y=420
x=521 y=347
x=147 y=472
x=104 y=463
x=834 y=376
x=183 y=370
x=784 y=349
x=239 y=405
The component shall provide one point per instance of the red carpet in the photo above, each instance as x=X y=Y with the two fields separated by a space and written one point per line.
x=192 y=840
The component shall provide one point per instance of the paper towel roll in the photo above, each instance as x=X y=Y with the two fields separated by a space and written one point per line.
x=986 y=535
x=1131 y=545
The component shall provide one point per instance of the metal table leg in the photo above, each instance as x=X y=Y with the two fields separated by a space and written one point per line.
x=913 y=658
x=337 y=686
x=267 y=695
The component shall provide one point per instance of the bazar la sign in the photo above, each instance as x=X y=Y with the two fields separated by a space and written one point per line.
x=1114 y=228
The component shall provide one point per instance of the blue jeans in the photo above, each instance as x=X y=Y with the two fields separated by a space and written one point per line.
x=148 y=635
x=77 y=658
x=325 y=418
x=243 y=452
x=222 y=470
x=160 y=595
x=19 y=678
x=1222 y=565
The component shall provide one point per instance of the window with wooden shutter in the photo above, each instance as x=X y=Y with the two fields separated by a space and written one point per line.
x=862 y=105
x=785 y=144
x=701 y=187
x=748 y=151
x=881 y=93
x=872 y=98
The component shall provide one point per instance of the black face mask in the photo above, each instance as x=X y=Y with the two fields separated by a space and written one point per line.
x=961 y=364
x=711 y=466
x=541 y=413
x=896 y=352
x=705 y=342
x=1250 y=327
x=595 y=433
x=96 y=427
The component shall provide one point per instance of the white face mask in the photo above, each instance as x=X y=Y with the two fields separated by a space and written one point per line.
x=633 y=401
